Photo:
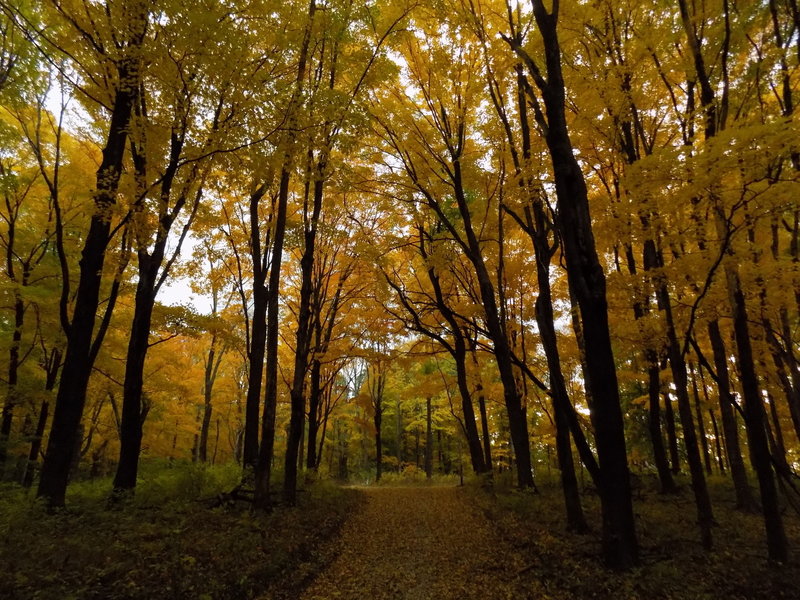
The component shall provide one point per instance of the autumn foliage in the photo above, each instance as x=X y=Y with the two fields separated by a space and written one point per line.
x=387 y=240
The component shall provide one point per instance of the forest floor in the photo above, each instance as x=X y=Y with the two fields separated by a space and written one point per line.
x=468 y=542
x=409 y=542
x=167 y=543
x=417 y=543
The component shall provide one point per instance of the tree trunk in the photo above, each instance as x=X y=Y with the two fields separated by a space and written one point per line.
x=258 y=335
x=261 y=500
x=654 y=425
x=13 y=371
x=561 y=402
x=755 y=419
x=132 y=409
x=303 y=337
x=377 y=420
x=705 y=516
x=313 y=416
x=79 y=360
x=744 y=495
x=672 y=435
x=428 y=439
x=700 y=425
x=717 y=444
x=587 y=280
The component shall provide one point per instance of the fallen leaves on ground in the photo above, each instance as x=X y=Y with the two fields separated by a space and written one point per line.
x=420 y=543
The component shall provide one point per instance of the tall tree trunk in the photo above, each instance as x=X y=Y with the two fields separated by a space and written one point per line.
x=78 y=360
x=755 y=419
x=312 y=458
x=640 y=309
x=132 y=408
x=258 y=335
x=428 y=439
x=701 y=428
x=717 y=444
x=261 y=500
x=487 y=441
x=666 y=481
x=377 y=420
x=561 y=402
x=744 y=495
x=705 y=516
x=12 y=376
x=303 y=336
x=672 y=435
x=586 y=278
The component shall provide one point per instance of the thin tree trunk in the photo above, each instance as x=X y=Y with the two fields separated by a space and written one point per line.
x=705 y=516
x=717 y=444
x=261 y=500
x=428 y=439
x=672 y=436
x=666 y=481
x=755 y=419
x=700 y=425
x=744 y=495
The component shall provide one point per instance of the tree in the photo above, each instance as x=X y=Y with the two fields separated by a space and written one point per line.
x=123 y=61
x=587 y=282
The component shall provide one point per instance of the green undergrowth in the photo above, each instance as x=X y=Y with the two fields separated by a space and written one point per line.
x=167 y=542
x=673 y=565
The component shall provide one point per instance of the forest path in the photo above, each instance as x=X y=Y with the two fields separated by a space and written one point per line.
x=420 y=543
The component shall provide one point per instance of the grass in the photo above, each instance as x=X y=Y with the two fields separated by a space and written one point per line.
x=674 y=566
x=166 y=543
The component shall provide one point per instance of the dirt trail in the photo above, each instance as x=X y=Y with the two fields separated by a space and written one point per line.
x=418 y=544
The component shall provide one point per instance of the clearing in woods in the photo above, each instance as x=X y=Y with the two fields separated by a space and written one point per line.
x=420 y=543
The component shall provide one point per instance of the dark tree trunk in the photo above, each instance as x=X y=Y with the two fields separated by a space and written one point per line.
x=205 y=426
x=312 y=460
x=303 y=337
x=132 y=408
x=717 y=444
x=640 y=309
x=487 y=440
x=700 y=424
x=377 y=420
x=587 y=280
x=744 y=495
x=518 y=425
x=705 y=515
x=665 y=478
x=672 y=436
x=561 y=402
x=755 y=419
x=13 y=372
x=263 y=472
x=213 y=361
x=36 y=445
x=428 y=439
x=258 y=335
x=78 y=361
x=261 y=500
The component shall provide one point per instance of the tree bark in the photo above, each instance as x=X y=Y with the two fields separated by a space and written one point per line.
x=586 y=277
x=744 y=495
x=78 y=361
x=263 y=471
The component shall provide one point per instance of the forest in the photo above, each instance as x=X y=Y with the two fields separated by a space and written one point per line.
x=254 y=253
